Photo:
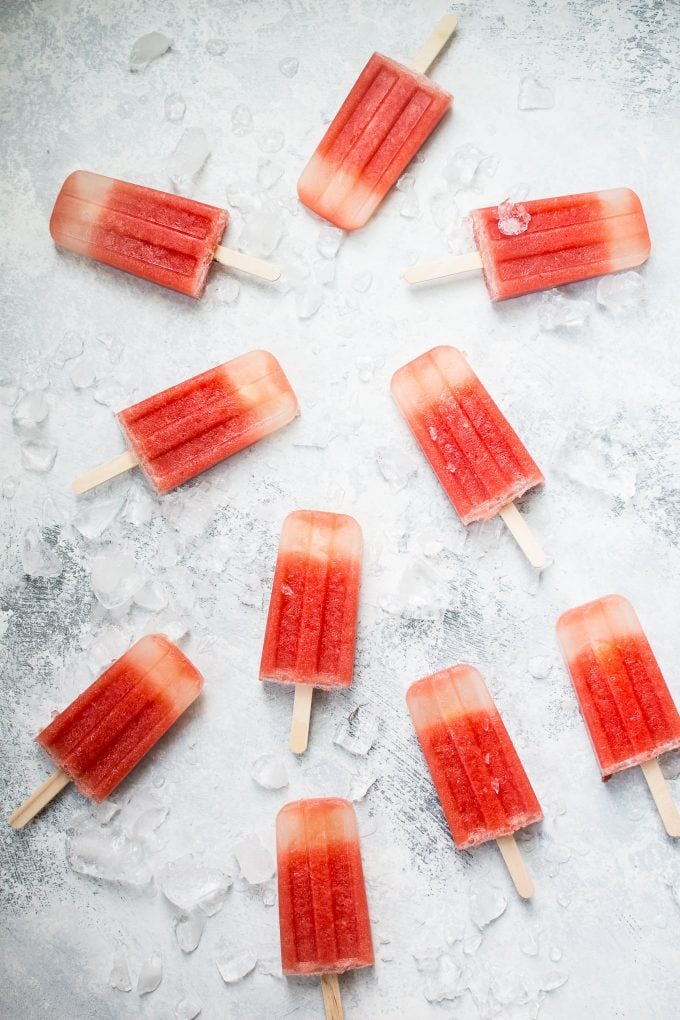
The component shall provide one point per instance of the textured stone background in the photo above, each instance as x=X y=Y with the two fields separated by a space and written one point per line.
x=597 y=405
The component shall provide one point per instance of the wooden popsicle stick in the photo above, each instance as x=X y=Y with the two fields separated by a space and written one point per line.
x=456 y=265
x=299 y=727
x=434 y=43
x=522 y=534
x=117 y=466
x=666 y=806
x=39 y=799
x=247 y=264
x=514 y=862
x=332 y=1000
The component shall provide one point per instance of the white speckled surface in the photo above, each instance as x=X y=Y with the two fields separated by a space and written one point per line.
x=597 y=406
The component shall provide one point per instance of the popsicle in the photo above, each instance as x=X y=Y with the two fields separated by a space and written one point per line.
x=323 y=913
x=109 y=728
x=567 y=239
x=384 y=120
x=161 y=237
x=474 y=452
x=482 y=786
x=311 y=627
x=188 y=428
x=624 y=700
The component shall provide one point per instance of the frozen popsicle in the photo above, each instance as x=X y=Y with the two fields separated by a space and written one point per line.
x=482 y=786
x=569 y=238
x=624 y=700
x=323 y=913
x=312 y=621
x=109 y=728
x=379 y=128
x=188 y=428
x=161 y=237
x=474 y=452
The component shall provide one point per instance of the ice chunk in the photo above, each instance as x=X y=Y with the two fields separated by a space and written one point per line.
x=152 y=596
x=268 y=173
x=106 y=648
x=262 y=230
x=423 y=592
x=216 y=47
x=147 y=48
x=534 y=96
x=188 y=157
x=191 y=886
x=308 y=300
x=31 y=409
x=557 y=311
x=139 y=508
x=461 y=170
x=486 y=904
x=168 y=622
x=555 y=954
x=256 y=863
x=395 y=466
x=39 y=559
x=9 y=391
x=109 y=392
x=289 y=66
x=115 y=578
x=361 y=784
x=410 y=206
x=114 y=346
x=141 y=815
x=235 y=968
x=175 y=107
x=271 y=141
x=406 y=183
x=358 y=732
x=362 y=282
x=10 y=486
x=119 y=978
x=94 y=518
x=540 y=666
x=226 y=288
x=187 y=1009
x=529 y=943
x=70 y=347
x=83 y=374
x=271 y=966
x=105 y=812
x=107 y=854
x=329 y=240
x=513 y=218
x=446 y=981
x=150 y=975
x=189 y=929
x=269 y=771
x=241 y=120
x=553 y=980
x=622 y=292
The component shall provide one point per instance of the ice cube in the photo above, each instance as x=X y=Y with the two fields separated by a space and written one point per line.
x=360 y=785
x=256 y=863
x=329 y=240
x=540 y=666
x=119 y=978
x=271 y=141
x=423 y=592
x=557 y=311
x=395 y=466
x=187 y=1009
x=271 y=966
x=105 y=812
x=189 y=929
x=289 y=66
x=10 y=486
x=31 y=409
x=513 y=218
x=39 y=559
x=362 y=281
x=622 y=292
x=115 y=578
x=268 y=173
x=83 y=374
x=70 y=347
x=139 y=508
x=534 y=96
x=107 y=854
x=147 y=48
x=188 y=157
x=235 y=968
x=262 y=230
x=114 y=346
x=269 y=771
x=225 y=288
x=106 y=648
x=94 y=518
x=241 y=120
x=358 y=732
x=150 y=975
x=446 y=982
x=487 y=903
x=153 y=596
x=174 y=107
x=410 y=206
x=191 y=886
x=406 y=183
x=216 y=47
x=308 y=300
x=109 y=392
x=141 y=815
x=461 y=169
x=168 y=622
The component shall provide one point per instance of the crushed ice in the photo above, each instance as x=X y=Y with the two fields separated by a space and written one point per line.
x=513 y=218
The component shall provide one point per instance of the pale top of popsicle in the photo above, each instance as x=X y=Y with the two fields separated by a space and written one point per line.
x=624 y=699
x=165 y=238
x=475 y=453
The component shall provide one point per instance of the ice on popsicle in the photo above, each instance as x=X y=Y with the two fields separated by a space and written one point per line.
x=311 y=626
x=624 y=700
x=159 y=236
x=379 y=128
x=569 y=238
x=478 y=458
x=109 y=728
x=482 y=786
x=323 y=913
x=189 y=427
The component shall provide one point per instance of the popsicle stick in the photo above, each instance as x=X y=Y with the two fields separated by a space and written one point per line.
x=666 y=806
x=434 y=43
x=330 y=989
x=39 y=799
x=454 y=266
x=514 y=862
x=302 y=708
x=123 y=462
x=247 y=264
x=522 y=534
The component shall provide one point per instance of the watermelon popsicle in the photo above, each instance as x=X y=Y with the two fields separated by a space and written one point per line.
x=478 y=458
x=567 y=239
x=109 y=728
x=623 y=697
x=311 y=625
x=165 y=238
x=188 y=428
x=323 y=913
x=482 y=786
x=387 y=116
